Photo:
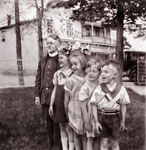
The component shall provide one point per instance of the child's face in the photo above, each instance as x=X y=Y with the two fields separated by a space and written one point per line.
x=76 y=65
x=108 y=73
x=52 y=45
x=92 y=73
x=63 y=60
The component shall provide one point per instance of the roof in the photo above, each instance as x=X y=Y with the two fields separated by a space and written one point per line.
x=95 y=24
x=52 y=3
x=135 y=50
x=21 y=23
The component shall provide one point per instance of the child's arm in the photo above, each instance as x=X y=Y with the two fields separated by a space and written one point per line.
x=52 y=101
x=123 y=113
x=85 y=114
x=66 y=102
x=95 y=114
x=124 y=101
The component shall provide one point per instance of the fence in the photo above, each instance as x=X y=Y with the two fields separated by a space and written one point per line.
x=16 y=73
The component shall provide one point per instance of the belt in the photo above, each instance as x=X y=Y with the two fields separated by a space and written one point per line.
x=109 y=112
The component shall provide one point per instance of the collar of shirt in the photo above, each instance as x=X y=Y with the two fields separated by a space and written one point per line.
x=111 y=88
x=66 y=73
x=53 y=54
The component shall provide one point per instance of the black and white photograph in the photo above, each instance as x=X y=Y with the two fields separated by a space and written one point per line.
x=73 y=75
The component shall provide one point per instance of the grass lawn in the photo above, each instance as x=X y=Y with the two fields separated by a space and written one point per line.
x=20 y=127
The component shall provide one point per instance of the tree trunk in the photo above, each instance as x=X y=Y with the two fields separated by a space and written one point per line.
x=18 y=44
x=40 y=11
x=119 y=44
x=40 y=38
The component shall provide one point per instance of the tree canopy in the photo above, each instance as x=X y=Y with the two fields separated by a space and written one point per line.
x=115 y=13
x=106 y=10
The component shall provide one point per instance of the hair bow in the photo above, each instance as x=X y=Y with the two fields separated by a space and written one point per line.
x=86 y=50
x=65 y=51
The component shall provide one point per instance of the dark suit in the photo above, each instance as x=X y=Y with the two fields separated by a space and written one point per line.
x=43 y=88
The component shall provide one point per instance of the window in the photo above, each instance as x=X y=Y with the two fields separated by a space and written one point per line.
x=107 y=33
x=49 y=26
x=69 y=29
x=3 y=36
x=86 y=31
x=96 y=31
x=101 y=32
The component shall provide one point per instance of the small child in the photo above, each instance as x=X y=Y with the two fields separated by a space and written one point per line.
x=72 y=103
x=57 y=98
x=109 y=106
x=93 y=71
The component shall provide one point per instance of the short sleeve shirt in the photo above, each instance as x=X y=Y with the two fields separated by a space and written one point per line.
x=86 y=91
x=98 y=97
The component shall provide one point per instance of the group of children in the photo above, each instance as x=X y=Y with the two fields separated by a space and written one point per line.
x=88 y=101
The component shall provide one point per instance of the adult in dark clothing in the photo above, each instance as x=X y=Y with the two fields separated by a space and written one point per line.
x=47 y=66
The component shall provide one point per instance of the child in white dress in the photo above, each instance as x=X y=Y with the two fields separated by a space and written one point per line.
x=72 y=103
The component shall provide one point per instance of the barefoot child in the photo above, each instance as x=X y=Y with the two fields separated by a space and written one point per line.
x=110 y=99
x=57 y=98
x=72 y=103
x=92 y=73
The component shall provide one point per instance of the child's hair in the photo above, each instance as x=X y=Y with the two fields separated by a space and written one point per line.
x=55 y=37
x=95 y=62
x=112 y=62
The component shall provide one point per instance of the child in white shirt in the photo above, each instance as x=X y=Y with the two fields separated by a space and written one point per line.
x=109 y=106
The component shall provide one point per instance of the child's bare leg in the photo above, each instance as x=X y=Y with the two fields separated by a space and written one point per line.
x=96 y=143
x=114 y=144
x=90 y=143
x=70 y=137
x=104 y=144
x=77 y=141
x=84 y=142
x=64 y=138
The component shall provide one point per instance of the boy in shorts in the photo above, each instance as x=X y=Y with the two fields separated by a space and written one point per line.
x=109 y=106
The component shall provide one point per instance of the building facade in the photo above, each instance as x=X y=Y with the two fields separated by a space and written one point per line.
x=101 y=40
x=29 y=44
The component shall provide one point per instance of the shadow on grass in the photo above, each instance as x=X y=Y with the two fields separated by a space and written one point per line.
x=20 y=127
